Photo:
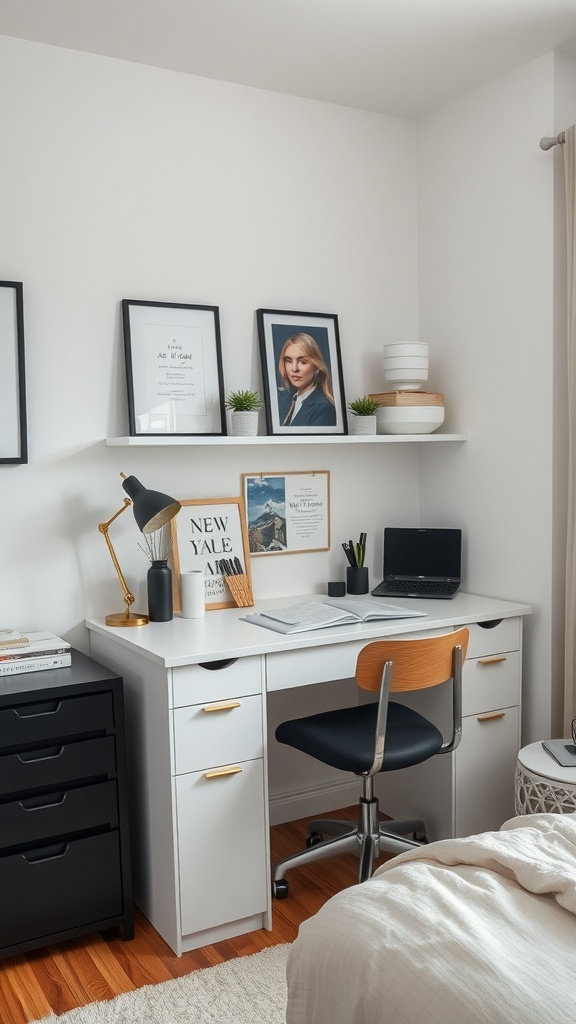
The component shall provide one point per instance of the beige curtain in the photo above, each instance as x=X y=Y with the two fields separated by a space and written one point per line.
x=569 y=151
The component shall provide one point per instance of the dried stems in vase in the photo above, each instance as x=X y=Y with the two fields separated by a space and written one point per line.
x=158 y=545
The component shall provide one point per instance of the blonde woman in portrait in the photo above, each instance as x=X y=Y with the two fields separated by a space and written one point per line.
x=306 y=399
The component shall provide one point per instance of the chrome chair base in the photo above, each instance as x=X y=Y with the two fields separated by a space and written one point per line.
x=369 y=838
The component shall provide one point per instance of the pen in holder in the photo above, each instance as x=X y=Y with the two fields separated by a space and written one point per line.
x=241 y=590
x=356 y=571
x=236 y=580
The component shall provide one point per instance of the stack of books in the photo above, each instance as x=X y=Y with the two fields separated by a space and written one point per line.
x=32 y=652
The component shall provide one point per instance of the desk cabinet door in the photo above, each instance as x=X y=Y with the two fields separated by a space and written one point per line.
x=485 y=765
x=221 y=846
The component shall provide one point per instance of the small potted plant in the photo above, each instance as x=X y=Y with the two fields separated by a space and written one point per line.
x=363 y=420
x=244 y=406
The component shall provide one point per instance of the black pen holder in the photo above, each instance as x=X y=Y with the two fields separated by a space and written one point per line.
x=357 y=579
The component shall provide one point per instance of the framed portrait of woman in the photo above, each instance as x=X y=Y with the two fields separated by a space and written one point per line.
x=302 y=372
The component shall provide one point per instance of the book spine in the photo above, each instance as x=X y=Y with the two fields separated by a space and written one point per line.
x=27 y=655
x=8 y=668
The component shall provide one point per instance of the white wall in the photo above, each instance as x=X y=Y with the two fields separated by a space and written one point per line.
x=488 y=307
x=125 y=181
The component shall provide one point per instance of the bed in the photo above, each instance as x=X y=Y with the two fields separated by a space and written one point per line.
x=480 y=930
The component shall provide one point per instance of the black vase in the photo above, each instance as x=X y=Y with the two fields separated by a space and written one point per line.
x=159 y=580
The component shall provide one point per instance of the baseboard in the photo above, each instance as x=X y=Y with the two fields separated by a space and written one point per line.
x=306 y=803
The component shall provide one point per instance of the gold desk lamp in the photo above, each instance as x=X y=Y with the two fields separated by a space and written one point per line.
x=152 y=510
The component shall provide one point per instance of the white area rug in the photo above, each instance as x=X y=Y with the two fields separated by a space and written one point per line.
x=248 y=990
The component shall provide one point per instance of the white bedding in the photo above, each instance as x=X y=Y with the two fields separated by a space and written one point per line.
x=479 y=930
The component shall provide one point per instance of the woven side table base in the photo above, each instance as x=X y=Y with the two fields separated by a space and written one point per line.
x=536 y=795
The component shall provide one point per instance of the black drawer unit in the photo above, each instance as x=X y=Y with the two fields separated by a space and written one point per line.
x=64 y=842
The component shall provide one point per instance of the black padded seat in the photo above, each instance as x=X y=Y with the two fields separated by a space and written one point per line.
x=345 y=738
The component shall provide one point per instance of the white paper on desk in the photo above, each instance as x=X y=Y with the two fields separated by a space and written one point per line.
x=307 y=615
x=367 y=608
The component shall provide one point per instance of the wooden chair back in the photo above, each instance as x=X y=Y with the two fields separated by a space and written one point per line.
x=416 y=664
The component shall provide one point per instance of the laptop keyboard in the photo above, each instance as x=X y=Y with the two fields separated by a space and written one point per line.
x=422 y=586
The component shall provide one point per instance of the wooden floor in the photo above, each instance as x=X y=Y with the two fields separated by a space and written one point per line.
x=71 y=974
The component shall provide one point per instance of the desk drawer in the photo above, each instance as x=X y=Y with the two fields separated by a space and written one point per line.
x=64 y=886
x=217 y=733
x=216 y=680
x=490 y=683
x=222 y=840
x=36 y=819
x=505 y=636
x=323 y=664
x=43 y=720
x=314 y=665
x=52 y=766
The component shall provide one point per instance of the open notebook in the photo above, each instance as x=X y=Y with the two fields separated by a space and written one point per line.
x=340 y=611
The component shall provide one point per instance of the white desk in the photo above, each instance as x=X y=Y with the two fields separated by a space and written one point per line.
x=195 y=692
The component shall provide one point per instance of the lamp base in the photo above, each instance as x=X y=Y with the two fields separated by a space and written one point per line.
x=126 y=619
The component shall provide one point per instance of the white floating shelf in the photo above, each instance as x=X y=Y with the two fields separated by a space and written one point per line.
x=160 y=441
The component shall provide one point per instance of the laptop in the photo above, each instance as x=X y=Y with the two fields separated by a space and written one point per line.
x=420 y=563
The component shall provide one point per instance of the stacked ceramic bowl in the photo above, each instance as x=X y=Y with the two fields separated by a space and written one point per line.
x=406 y=365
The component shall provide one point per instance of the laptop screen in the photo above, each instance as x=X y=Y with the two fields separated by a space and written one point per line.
x=433 y=553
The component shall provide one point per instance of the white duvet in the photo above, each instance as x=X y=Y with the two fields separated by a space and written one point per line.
x=479 y=930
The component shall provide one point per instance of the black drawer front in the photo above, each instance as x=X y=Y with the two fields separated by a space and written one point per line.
x=74 y=885
x=36 y=819
x=53 y=766
x=45 y=719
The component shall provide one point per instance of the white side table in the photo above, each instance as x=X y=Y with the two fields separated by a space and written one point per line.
x=542 y=785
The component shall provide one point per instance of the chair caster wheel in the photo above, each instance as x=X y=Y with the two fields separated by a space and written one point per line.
x=280 y=889
x=313 y=839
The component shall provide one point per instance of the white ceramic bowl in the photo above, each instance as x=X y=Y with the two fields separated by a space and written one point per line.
x=406 y=380
x=406 y=348
x=409 y=419
x=406 y=362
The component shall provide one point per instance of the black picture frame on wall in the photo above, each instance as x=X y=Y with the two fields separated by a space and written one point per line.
x=173 y=369
x=301 y=372
x=13 y=426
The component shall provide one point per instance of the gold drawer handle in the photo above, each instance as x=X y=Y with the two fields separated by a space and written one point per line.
x=233 y=769
x=492 y=717
x=226 y=705
x=492 y=661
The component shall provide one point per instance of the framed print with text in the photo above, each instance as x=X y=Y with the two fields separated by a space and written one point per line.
x=287 y=512
x=302 y=372
x=13 y=432
x=173 y=368
x=204 y=531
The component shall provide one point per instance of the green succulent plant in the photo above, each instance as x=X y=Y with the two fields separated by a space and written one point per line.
x=244 y=401
x=365 y=406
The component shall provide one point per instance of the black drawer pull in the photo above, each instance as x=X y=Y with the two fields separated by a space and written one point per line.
x=48 y=708
x=40 y=755
x=216 y=666
x=33 y=803
x=51 y=853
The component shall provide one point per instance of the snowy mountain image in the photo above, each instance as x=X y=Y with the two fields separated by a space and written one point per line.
x=266 y=505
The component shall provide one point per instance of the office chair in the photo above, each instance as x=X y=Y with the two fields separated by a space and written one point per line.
x=377 y=737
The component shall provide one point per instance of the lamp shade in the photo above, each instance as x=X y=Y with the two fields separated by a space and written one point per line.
x=152 y=509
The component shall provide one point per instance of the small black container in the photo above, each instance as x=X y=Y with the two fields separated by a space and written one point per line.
x=357 y=579
x=336 y=588
x=159 y=579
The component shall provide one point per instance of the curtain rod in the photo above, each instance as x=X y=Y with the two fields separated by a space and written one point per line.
x=552 y=140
